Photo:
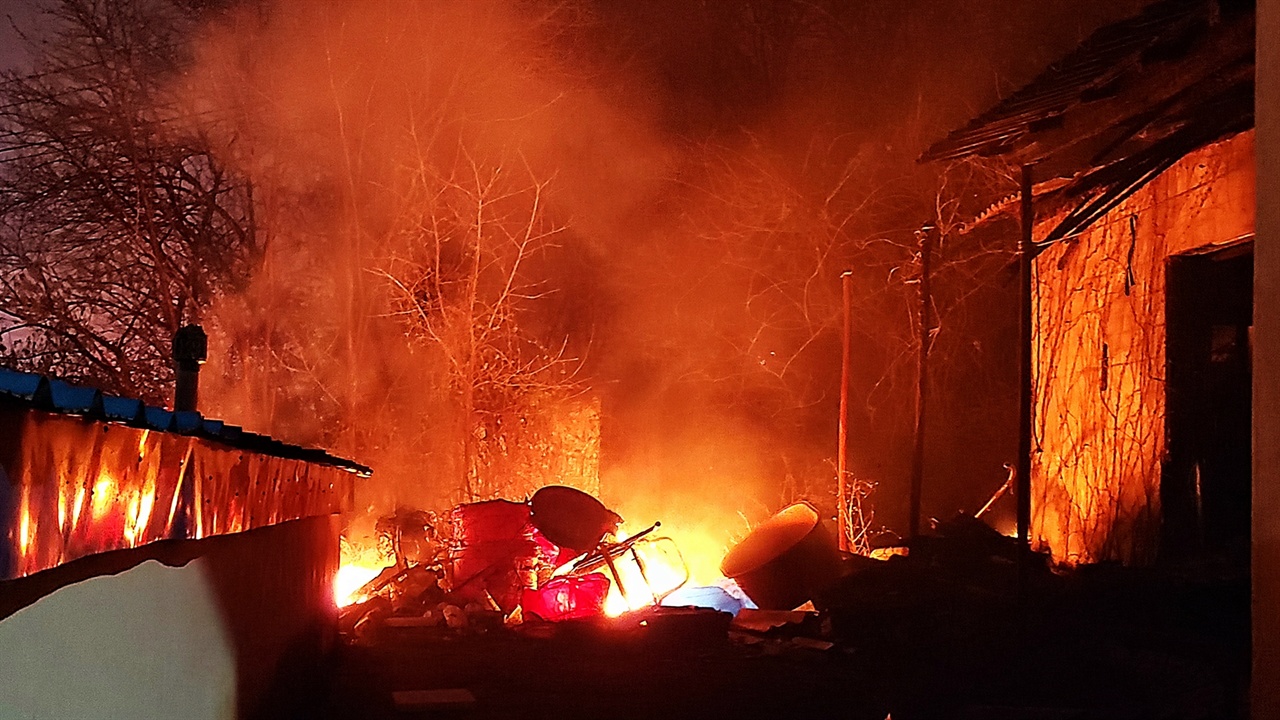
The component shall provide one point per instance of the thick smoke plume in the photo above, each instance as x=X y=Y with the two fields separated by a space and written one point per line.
x=507 y=228
x=435 y=182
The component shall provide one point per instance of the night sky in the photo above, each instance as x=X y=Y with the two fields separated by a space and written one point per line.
x=20 y=13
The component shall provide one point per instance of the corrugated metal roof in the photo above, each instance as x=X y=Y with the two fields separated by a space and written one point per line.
x=1086 y=72
x=1106 y=187
x=126 y=410
x=52 y=395
x=24 y=386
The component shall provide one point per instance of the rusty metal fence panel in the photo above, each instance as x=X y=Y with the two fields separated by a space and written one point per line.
x=76 y=486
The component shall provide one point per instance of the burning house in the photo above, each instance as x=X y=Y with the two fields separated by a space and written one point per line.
x=1137 y=156
x=98 y=494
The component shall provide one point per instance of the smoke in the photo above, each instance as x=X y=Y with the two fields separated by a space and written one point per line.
x=390 y=145
x=696 y=176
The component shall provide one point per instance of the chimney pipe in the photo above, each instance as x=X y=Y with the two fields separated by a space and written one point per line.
x=190 y=348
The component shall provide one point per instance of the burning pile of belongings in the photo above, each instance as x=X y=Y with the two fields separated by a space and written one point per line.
x=553 y=558
x=560 y=556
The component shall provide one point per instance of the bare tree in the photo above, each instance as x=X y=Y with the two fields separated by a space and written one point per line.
x=396 y=316
x=475 y=231
x=117 y=223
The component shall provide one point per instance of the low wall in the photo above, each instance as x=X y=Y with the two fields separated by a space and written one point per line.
x=269 y=589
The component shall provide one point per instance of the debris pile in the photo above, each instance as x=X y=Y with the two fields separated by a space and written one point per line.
x=963 y=616
x=556 y=557
x=497 y=562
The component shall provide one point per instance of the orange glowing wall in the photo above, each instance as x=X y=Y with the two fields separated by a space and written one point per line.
x=1099 y=339
x=76 y=487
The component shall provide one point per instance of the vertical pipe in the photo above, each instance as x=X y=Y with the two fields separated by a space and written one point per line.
x=925 y=238
x=1025 y=257
x=842 y=448
x=190 y=349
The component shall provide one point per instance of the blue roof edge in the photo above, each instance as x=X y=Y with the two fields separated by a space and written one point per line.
x=52 y=395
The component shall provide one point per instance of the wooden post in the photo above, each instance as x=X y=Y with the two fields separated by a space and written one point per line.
x=1264 y=696
x=1026 y=251
x=842 y=449
x=925 y=237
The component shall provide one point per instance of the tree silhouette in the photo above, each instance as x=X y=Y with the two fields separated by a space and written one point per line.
x=118 y=224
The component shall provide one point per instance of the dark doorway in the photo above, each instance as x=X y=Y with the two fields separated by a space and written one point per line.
x=1207 y=479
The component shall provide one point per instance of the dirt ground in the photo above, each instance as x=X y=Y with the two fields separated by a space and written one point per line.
x=910 y=642
x=593 y=677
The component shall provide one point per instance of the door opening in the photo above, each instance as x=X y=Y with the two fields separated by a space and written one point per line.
x=1207 y=482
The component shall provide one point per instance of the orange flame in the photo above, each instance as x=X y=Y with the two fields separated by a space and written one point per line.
x=350 y=578
x=660 y=566
x=360 y=564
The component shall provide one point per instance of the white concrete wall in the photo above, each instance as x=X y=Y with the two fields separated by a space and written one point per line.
x=146 y=644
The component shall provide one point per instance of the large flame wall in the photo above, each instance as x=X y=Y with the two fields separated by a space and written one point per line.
x=76 y=487
x=1099 y=339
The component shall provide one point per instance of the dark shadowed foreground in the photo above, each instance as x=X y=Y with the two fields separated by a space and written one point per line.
x=911 y=638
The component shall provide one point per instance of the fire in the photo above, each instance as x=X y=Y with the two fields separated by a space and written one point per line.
x=1008 y=528
x=360 y=564
x=350 y=578
x=661 y=561
x=661 y=566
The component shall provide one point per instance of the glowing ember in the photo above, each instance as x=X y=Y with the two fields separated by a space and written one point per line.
x=350 y=578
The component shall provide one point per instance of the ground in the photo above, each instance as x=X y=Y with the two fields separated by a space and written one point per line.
x=911 y=641
x=585 y=677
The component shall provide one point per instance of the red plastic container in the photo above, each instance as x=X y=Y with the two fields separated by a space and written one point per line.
x=489 y=521
x=497 y=553
x=567 y=598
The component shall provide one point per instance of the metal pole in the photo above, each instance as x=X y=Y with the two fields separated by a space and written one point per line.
x=842 y=449
x=190 y=349
x=925 y=237
x=1025 y=256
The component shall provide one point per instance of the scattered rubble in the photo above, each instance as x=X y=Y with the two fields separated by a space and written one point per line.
x=950 y=621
